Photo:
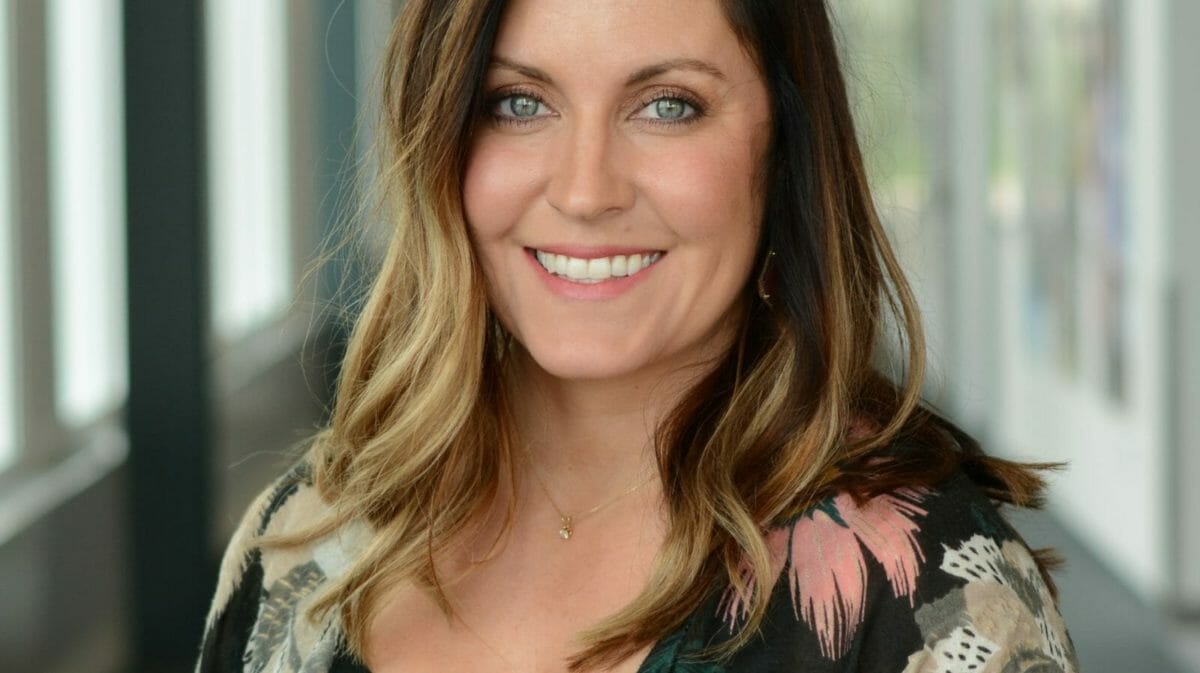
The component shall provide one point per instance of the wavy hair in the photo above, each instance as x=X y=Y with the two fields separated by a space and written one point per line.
x=419 y=439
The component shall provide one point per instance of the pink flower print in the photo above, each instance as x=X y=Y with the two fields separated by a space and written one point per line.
x=885 y=526
x=827 y=575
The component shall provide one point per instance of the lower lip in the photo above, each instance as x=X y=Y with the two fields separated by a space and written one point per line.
x=605 y=289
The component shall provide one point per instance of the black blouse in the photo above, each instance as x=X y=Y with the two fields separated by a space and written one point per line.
x=915 y=581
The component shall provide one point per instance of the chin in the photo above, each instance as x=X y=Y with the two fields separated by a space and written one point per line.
x=577 y=367
x=593 y=353
x=582 y=361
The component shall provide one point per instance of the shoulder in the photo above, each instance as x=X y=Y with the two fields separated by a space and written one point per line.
x=243 y=548
x=260 y=608
x=980 y=602
x=914 y=580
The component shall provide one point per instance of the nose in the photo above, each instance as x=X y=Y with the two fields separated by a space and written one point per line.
x=591 y=178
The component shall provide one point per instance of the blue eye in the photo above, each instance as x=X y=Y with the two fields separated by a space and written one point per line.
x=670 y=109
x=523 y=106
x=516 y=108
x=665 y=108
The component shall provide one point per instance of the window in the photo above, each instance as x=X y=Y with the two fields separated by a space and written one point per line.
x=251 y=270
x=87 y=209
x=890 y=88
x=891 y=57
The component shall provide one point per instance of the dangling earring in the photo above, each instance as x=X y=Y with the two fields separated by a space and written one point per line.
x=764 y=292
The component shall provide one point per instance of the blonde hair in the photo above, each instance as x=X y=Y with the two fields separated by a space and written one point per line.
x=419 y=439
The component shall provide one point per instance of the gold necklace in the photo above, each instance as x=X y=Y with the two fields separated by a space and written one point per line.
x=567 y=521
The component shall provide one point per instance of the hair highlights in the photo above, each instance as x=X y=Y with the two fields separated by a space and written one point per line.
x=419 y=438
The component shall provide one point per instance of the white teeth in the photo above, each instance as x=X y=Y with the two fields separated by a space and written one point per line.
x=619 y=266
x=599 y=268
x=577 y=268
x=596 y=269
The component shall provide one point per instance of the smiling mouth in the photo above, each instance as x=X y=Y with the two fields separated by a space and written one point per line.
x=595 y=270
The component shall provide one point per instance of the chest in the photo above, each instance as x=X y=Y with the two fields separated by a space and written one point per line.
x=521 y=610
x=543 y=646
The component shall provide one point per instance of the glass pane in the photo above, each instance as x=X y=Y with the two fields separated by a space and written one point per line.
x=1061 y=70
x=87 y=206
x=891 y=58
x=8 y=430
x=888 y=85
x=893 y=49
x=251 y=245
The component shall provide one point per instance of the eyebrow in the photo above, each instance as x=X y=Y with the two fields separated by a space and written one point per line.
x=643 y=74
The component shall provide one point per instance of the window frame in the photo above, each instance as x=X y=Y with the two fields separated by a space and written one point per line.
x=53 y=461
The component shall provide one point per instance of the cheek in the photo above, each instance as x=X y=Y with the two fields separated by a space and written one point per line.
x=498 y=184
x=498 y=189
x=709 y=192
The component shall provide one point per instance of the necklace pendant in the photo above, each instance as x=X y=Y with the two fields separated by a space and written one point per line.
x=566 y=530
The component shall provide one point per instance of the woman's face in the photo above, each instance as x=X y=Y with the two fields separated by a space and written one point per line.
x=610 y=187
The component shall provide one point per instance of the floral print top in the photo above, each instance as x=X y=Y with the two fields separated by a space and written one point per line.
x=915 y=581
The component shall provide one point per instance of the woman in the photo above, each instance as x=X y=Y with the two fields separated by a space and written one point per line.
x=610 y=404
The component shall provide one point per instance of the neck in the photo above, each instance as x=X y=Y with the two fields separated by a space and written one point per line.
x=590 y=439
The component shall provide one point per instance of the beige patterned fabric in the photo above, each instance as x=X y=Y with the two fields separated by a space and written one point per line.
x=283 y=639
x=1002 y=620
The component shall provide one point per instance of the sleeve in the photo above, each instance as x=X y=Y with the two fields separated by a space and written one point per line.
x=239 y=592
x=1000 y=616
x=978 y=605
x=228 y=628
x=915 y=581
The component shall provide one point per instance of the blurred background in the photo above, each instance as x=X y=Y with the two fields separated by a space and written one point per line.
x=170 y=170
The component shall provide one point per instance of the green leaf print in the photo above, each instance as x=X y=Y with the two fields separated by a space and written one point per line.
x=671 y=656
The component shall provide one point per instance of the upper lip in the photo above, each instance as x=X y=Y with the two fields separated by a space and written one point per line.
x=595 y=252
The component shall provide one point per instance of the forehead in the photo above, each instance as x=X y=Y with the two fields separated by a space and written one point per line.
x=597 y=35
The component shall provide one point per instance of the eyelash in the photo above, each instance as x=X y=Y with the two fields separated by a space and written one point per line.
x=698 y=109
